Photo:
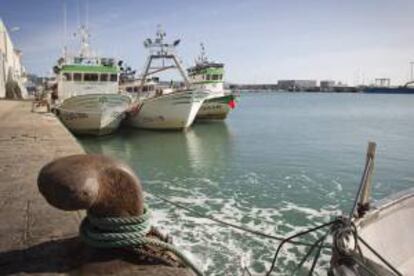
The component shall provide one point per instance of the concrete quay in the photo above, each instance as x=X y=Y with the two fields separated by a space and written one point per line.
x=34 y=236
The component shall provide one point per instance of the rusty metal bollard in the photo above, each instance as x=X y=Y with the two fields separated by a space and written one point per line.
x=105 y=188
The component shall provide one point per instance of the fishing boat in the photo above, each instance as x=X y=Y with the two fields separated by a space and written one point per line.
x=404 y=89
x=382 y=86
x=209 y=75
x=378 y=239
x=173 y=109
x=86 y=99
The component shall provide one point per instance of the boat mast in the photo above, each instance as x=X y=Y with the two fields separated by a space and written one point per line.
x=85 y=50
x=202 y=58
x=162 y=50
x=65 y=31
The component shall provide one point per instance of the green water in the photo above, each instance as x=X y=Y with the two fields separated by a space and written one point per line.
x=280 y=163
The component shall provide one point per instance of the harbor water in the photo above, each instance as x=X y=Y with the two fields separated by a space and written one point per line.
x=281 y=163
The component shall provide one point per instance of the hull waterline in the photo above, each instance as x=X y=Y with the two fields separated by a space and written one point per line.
x=172 y=111
x=93 y=114
x=216 y=108
x=389 y=90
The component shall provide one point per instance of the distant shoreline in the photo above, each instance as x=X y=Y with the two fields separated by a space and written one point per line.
x=277 y=88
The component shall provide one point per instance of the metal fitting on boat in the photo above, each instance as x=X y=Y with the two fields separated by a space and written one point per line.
x=345 y=239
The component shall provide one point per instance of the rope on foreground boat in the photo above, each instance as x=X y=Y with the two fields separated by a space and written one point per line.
x=126 y=232
x=342 y=232
x=318 y=243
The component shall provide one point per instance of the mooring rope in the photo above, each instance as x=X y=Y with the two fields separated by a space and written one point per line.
x=121 y=232
x=288 y=239
x=339 y=224
x=233 y=225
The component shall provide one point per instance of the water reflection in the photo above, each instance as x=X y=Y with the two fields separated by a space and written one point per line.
x=209 y=145
x=170 y=153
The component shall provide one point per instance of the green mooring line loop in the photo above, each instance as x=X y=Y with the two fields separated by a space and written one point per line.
x=119 y=232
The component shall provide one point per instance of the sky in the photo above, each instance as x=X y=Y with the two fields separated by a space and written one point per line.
x=260 y=41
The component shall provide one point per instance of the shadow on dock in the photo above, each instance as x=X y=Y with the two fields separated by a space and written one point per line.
x=70 y=255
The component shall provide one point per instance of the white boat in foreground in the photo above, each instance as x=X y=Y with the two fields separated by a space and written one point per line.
x=388 y=229
x=173 y=110
x=379 y=240
x=88 y=100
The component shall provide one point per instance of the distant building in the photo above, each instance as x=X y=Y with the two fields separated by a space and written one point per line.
x=253 y=87
x=298 y=85
x=327 y=85
x=12 y=73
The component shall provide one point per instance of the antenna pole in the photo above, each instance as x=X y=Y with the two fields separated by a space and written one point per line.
x=87 y=14
x=411 y=71
x=65 y=29
x=79 y=13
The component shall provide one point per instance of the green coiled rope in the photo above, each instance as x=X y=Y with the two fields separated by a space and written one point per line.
x=119 y=232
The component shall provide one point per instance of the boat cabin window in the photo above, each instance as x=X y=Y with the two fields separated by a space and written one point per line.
x=67 y=76
x=77 y=77
x=104 y=77
x=114 y=77
x=135 y=89
x=208 y=77
x=215 y=77
x=220 y=77
x=90 y=77
x=129 y=89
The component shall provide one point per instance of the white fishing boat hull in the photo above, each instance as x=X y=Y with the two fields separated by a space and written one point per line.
x=216 y=107
x=93 y=114
x=388 y=228
x=175 y=110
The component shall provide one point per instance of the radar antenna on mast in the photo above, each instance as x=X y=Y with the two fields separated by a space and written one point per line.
x=85 y=50
x=160 y=50
x=202 y=58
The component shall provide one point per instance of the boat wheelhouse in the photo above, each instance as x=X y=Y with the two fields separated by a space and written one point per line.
x=79 y=75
